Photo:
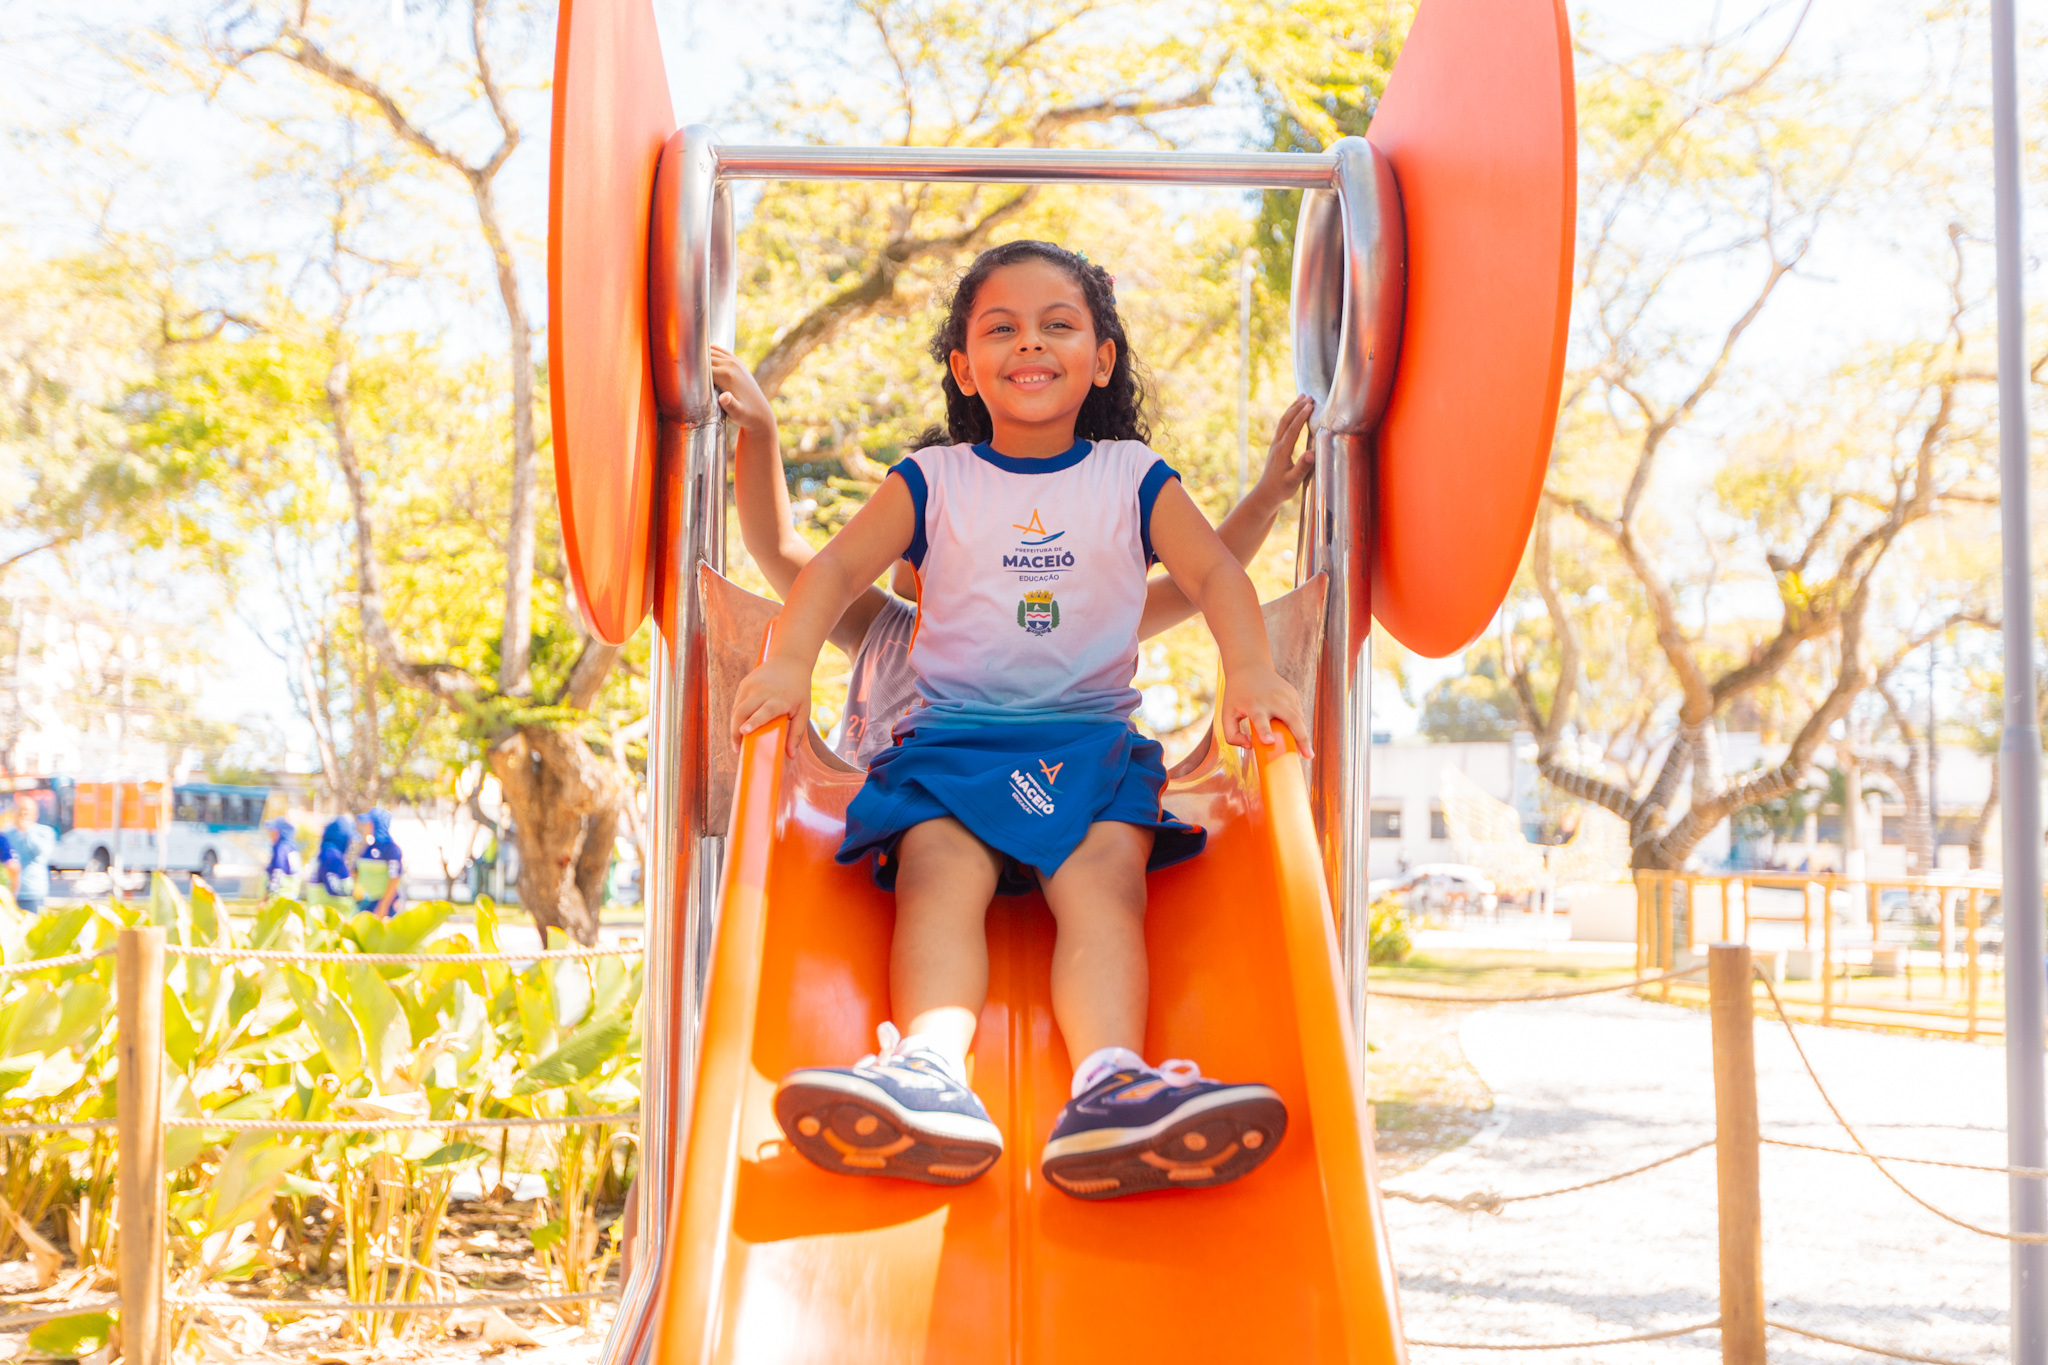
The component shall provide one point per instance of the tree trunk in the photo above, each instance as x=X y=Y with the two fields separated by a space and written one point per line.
x=565 y=811
x=1980 y=829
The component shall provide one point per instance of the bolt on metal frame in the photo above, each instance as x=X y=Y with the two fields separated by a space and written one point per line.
x=1349 y=271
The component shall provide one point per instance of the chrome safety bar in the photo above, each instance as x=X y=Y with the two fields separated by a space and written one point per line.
x=1032 y=166
x=1349 y=299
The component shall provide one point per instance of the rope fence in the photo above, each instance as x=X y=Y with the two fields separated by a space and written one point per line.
x=44 y=964
x=1775 y=1325
x=8 y=1130
x=1489 y=1202
x=399 y=959
x=1792 y=1032
x=388 y=1305
x=1737 y=1322
x=1712 y=1324
x=621 y=1117
x=1633 y=983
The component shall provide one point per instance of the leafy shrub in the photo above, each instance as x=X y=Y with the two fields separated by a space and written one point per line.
x=317 y=1041
x=1387 y=931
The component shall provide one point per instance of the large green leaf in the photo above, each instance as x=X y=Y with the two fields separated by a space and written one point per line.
x=211 y=926
x=71 y=1338
x=249 y=1173
x=333 y=1026
x=387 y=1034
x=167 y=908
x=55 y=932
x=27 y=1023
x=181 y=1035
x=82 y=1010
x=589 y=1048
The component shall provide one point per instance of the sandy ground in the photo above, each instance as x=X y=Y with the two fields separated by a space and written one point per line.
x=1586 y=1088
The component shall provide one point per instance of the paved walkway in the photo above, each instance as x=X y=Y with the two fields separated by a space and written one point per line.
x=1585 y=1088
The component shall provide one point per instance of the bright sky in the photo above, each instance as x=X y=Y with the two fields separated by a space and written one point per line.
x=1849 y=289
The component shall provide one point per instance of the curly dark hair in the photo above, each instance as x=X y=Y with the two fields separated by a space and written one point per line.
x=1113 y=412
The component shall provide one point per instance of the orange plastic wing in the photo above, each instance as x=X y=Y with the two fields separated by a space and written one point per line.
x=1478 y=120
x=612 y=116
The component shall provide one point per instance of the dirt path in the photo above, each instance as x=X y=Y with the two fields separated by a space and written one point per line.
x=1588 y=1087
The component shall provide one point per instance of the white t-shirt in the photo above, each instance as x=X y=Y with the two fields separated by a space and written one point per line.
x=1031 y=580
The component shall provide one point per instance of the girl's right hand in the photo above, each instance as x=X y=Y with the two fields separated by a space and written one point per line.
x=739 y=396
x=776 y=689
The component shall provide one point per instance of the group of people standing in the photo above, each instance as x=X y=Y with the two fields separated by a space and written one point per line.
x=359 y=865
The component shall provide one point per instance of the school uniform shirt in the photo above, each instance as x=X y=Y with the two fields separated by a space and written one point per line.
x=1031 y=581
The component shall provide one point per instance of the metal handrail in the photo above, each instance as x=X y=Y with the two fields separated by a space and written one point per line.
x=1032 y=166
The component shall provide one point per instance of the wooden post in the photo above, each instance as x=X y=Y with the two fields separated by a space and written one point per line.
x=1970 y=964
x=1827 y=954
x=1730 y=983
x=139 y=1048
x=1876 y=925
x=1725 y=887
x=1667 y=925
x=1642 y=927
x=1946 y=936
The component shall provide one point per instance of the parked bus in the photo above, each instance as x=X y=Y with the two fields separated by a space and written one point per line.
x=212 y=824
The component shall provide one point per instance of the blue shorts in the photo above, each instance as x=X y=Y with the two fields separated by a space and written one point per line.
x=1029 y=792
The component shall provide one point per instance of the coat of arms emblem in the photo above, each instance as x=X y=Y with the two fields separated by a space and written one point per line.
x=1038 y=613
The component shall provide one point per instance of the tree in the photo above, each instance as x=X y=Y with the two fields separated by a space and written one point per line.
x=528 y=710
x=1729 y=186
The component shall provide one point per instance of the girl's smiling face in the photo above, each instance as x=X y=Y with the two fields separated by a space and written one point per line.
x=1032 y=356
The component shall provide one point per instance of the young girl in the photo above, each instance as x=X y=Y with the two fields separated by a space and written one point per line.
x=875 y=632
x=1030 y=535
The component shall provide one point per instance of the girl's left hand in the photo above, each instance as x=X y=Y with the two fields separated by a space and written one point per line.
x=1286 y=471
x=1253 y=702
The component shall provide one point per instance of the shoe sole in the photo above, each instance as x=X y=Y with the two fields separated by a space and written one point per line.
x=1213 y=1140
x=849 y=1126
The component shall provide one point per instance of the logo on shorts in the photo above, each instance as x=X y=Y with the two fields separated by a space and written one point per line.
x=1026 y=792
x=1038 y=613
x=1051 y=771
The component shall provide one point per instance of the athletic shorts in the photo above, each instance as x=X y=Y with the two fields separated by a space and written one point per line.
x=1029 y=792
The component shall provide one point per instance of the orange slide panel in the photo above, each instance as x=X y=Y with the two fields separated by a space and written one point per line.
x=777 y=1261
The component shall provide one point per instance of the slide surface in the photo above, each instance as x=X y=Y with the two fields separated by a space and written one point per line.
x=778 y=1261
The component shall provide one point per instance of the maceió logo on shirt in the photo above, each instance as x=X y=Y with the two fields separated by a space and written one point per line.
x=1038 y=613
x=1037 y=528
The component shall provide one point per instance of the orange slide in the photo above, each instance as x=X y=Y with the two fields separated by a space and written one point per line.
x=749 y=1254
x=778 y=1261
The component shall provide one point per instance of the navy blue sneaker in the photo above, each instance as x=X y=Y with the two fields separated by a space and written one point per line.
x=1169 y=1128
x=899 y=1112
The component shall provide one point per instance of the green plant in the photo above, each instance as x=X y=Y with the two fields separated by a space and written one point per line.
x=317 y=1041
x=1387 y=931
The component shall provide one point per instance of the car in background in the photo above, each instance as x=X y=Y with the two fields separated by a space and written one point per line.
x=1447 y=888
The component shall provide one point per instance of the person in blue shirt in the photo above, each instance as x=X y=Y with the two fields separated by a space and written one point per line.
x=380 y=867
x=282 y=872
x=29 y=846
x=331 y=882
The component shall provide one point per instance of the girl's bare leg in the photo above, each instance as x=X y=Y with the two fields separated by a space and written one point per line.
x=1099 y=976
x=938 y=960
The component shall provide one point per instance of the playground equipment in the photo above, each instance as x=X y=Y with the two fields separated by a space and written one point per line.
x=1431 y=281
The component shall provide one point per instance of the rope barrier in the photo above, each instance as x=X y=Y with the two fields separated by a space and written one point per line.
x=2024 y=1172
x=8 y=1130
x=621 y=1117
x=1860 y=1346
x=1489 y=1202
x=397 y=959
x=387 y=1306
x=1707 y=1326
x=14 y=1321
x=44 y=964
x=1633 y=983
x=1865 y=1152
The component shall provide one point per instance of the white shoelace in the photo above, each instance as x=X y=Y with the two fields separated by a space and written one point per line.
x=1179 y=1072
x=895 y=1047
